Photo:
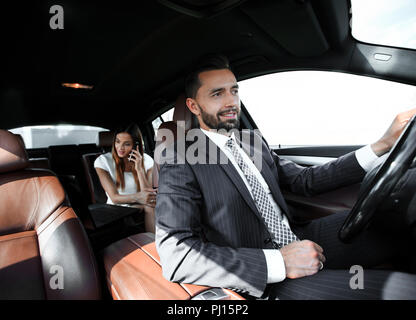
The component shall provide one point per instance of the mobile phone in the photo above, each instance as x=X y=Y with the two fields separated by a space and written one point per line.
x=136 y=144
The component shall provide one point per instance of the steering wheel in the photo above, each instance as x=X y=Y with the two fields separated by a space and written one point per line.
x=382 y=183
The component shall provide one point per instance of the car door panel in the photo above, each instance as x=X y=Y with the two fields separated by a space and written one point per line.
x=306 y=208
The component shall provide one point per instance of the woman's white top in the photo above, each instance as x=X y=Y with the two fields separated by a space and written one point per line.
x=107 y=163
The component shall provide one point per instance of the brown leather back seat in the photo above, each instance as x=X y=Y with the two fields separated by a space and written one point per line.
x=44 y=251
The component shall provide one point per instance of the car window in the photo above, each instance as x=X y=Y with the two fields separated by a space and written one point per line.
x=52 y=135
x=167 y=116
x=301 y=108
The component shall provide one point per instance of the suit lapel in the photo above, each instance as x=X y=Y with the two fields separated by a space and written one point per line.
x=234 y=176
x=214 y=155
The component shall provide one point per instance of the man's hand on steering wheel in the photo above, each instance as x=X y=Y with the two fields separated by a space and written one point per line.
x=402 y=146
x=386 y=142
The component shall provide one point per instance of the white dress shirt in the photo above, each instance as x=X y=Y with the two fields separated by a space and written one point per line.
x=276 y=270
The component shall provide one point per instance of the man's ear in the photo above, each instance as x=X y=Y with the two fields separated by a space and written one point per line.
x=192 y=106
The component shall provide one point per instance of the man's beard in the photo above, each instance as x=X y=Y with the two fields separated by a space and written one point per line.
x=214 y=122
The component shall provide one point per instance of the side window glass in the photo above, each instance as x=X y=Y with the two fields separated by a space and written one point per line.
x=307 y=108
x=167 y=116
x=156 y=123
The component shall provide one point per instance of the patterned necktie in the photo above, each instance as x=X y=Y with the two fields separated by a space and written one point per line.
x=281 y=232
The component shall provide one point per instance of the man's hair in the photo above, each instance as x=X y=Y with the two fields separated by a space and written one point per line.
x=206 y=63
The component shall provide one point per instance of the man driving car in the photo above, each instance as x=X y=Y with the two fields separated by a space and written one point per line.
x=228 y=225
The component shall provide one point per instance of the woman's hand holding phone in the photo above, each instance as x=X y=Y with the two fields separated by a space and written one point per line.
x=137 y=158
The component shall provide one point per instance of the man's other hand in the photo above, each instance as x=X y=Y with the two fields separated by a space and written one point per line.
x=389 y=138
x=302 y=258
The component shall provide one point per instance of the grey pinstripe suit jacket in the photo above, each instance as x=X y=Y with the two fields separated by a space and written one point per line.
x=208 y=229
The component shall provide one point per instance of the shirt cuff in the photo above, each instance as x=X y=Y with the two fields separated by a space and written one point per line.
x=366 y=158
x=276 y=270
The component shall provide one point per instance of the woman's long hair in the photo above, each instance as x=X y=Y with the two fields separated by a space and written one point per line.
x=136 y=135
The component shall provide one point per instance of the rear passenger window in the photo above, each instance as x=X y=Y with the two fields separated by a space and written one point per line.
x=53 y=135
x=167 y=116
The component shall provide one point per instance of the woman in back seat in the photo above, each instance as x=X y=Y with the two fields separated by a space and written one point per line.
x=126 y=174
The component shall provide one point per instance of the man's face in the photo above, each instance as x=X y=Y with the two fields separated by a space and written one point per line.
x=217 y=103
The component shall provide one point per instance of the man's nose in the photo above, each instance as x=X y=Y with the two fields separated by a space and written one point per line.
x=231 y=99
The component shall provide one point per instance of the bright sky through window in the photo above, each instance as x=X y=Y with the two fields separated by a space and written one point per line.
x=323 y=108
x=385 y=22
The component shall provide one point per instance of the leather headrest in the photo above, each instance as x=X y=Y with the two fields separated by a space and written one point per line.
x=105 y=139
x=182 y=112
x=169 y=125
x=13 y=154
x=20 y=138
